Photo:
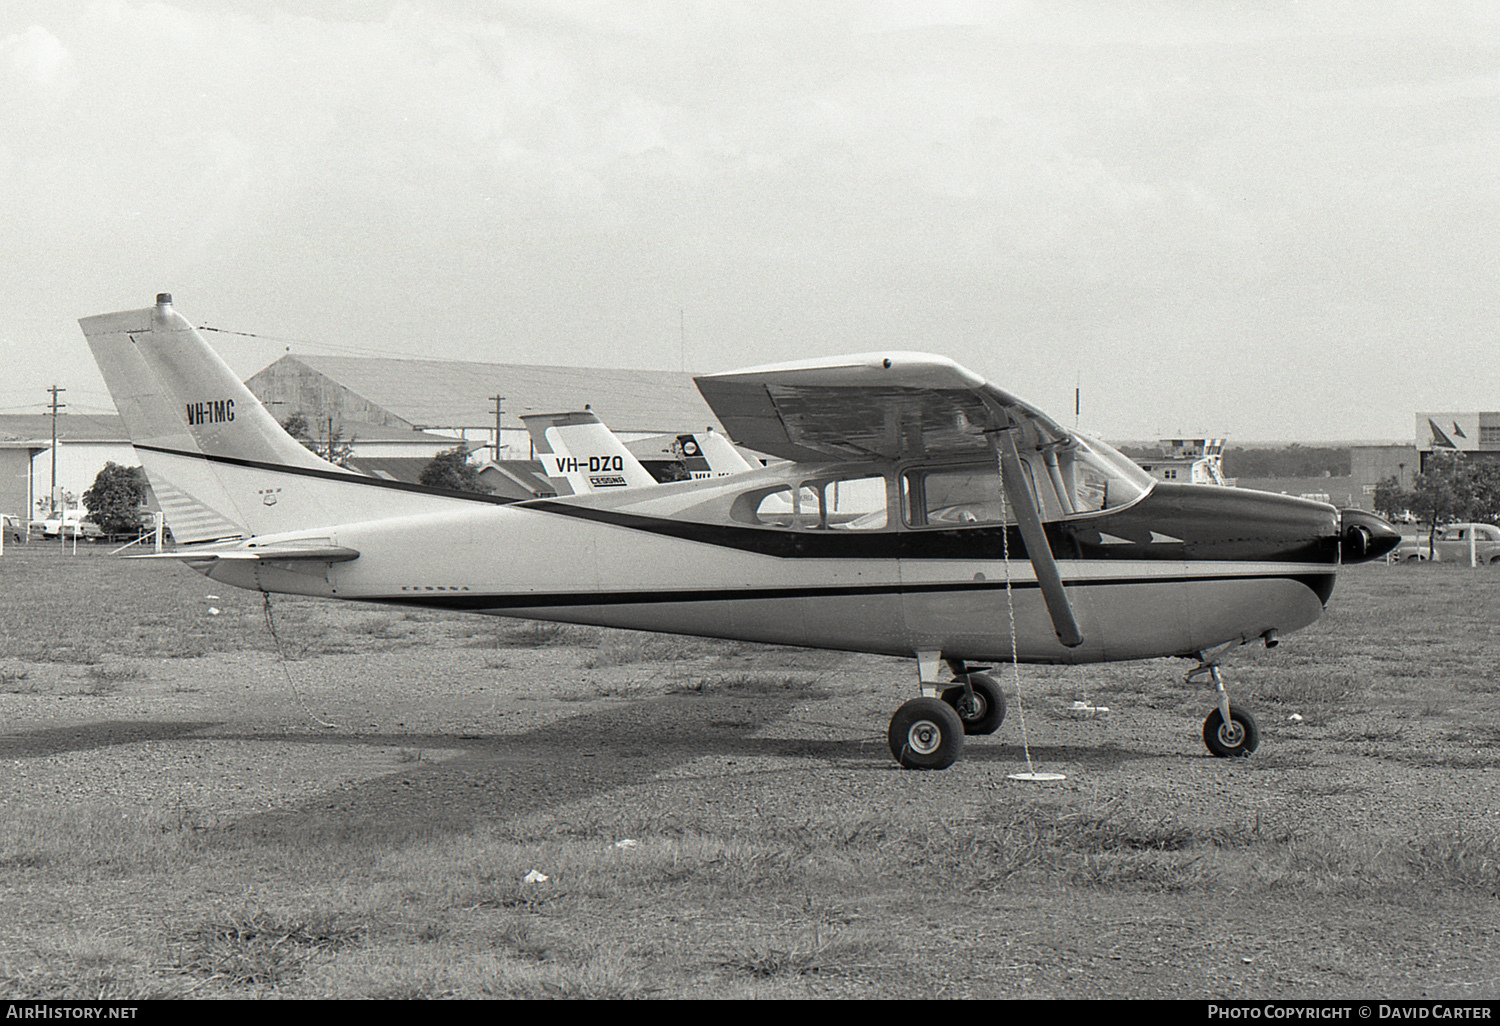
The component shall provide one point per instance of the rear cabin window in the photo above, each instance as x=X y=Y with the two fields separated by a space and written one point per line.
x=835 y=504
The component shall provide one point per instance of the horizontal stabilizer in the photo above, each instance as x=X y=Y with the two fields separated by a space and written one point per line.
x=267 y=554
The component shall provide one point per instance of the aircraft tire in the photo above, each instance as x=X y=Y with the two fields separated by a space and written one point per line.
x=982 y=712
x=1239 y=737
x=926 y=733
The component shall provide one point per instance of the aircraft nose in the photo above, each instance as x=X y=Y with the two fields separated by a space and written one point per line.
x=1364 y=536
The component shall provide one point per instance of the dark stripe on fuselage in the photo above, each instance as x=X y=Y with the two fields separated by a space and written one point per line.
x=1173 y=522
x=1320 y=585
x=1204 y=523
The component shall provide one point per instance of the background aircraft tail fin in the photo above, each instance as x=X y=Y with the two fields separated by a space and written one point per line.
x=723 y=458
x=580 y=454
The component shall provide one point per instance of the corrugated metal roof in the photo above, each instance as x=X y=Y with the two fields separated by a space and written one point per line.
x=453 y=394
x=89 y=427
x=71 y=427
x=360 y=431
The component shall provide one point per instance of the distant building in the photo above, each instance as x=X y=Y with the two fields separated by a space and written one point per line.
x=1188 y=461
x=1371 y=464
x=85 y=443
x=1473 y=434
x=457 y=399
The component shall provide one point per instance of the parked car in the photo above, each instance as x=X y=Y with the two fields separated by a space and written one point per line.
x=1412 y=548
x=71 y=525
x=14 y=529
x=1452 y=543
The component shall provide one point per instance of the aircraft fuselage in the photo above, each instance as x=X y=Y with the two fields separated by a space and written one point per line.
x=1182 y=570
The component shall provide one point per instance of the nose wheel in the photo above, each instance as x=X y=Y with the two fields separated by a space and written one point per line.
x=1229 y=731
x=1233 y=737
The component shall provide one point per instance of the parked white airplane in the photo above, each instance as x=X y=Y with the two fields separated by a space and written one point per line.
x=925 y=513
x=580 y=454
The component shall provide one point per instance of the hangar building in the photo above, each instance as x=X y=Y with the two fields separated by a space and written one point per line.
x=396 y=413
x=458 y=399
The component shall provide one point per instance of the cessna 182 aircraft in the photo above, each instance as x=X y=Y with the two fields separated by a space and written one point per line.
x=923 y=513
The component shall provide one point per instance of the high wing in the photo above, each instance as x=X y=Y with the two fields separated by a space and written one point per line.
x=898 y=406
x=893 y=405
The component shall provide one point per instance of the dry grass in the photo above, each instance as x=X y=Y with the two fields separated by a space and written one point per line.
x=753 y=868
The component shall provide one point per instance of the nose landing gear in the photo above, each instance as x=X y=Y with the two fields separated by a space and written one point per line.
x=1229 y=731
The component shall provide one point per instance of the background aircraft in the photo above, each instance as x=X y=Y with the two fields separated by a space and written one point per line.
x=580 y=454
x=923 y=513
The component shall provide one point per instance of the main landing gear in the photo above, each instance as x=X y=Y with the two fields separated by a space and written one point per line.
x=928 y=732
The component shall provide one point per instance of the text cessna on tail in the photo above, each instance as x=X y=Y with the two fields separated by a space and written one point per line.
x=922 y=514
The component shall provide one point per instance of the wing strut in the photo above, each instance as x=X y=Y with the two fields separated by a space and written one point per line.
x=1021 y=500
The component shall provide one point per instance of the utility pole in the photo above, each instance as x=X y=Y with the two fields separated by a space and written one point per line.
x=498 y=400
x=54 y=406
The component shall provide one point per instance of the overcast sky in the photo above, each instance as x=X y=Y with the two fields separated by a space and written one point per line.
x=1270 y=220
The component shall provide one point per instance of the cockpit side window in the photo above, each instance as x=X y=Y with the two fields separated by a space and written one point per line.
x=956 y=496
x=1084 y=477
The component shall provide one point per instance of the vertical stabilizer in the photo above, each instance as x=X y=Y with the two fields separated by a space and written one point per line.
x=580 y=454
x=219 y=463
x=719 y=452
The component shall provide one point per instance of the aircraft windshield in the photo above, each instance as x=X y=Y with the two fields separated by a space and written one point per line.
x=1086 y=477
x=1094 y=476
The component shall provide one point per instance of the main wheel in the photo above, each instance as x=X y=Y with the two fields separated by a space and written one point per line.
x=981 y=711
x=1240 y=736
x=926 y=734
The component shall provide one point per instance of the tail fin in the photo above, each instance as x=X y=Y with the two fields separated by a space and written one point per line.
x=719 y=453
x=580 y=455
x=219 y=463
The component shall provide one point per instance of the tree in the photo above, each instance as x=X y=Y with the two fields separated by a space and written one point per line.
x=333 y=448
x=451 y=469
x=1450 y=488
x=115 y=500
x=1391 y=500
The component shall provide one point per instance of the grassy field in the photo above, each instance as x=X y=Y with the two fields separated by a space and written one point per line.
x=721 y=820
